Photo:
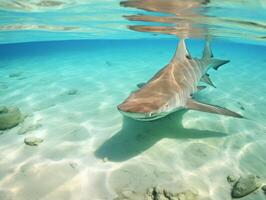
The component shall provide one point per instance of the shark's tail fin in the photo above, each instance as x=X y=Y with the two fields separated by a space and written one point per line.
x=208 y=56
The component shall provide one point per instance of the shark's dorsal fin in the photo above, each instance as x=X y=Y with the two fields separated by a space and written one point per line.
x=181 y=51
x=206 y=79
x=195 y=105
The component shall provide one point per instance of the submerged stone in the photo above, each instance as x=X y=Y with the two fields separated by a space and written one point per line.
x=3 y=109
x=72 y=92
x=9 y=117
x=231 y=179
x=245 y=185
x=264 y=188
x=32 y=141
x=15 y=74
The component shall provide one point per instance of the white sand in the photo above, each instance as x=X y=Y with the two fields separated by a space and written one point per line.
x=91 y=153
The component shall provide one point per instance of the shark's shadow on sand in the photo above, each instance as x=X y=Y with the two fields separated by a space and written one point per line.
x=138 y=136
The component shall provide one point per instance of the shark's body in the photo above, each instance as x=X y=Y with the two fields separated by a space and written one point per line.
x=171 y=88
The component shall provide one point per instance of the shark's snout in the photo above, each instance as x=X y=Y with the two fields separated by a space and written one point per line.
x=144 y=111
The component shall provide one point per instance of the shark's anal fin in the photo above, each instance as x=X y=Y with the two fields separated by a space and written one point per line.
x=140 y=85
x=206 y=79
x=195 y=105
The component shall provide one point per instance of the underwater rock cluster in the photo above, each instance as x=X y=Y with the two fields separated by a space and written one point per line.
x=157 y=193
x=9 y=117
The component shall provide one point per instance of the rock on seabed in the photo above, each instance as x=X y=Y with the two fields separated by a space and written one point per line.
x=72 y=92
x=32 y=141
x=245 y=185
x=15 y=74
x=9 y=117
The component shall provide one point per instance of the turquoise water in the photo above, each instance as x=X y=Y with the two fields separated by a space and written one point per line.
x=68 y=91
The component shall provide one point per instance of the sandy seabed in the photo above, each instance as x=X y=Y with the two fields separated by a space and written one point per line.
x=69 y=92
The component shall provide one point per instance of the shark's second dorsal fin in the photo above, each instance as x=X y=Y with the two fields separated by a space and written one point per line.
x=207 y=52
x=195 y=105
x=207 y=55
x=181 y=51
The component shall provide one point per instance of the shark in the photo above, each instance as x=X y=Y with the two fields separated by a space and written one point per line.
x=172 y=88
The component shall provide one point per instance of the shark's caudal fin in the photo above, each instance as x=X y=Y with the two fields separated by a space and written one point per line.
x=195 y=105
x=207 y=55
x=181 y=51
x=216 y=63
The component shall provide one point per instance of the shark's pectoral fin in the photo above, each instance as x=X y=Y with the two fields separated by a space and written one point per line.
x=206 y=79
x=216 y=63
x=195 y=105
x=140 y=85
x=201 y=87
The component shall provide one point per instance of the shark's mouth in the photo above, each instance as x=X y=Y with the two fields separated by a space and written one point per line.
x=149 y=118
x=143 y=116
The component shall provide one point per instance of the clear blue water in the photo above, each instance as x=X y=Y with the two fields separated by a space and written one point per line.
x=69 y=89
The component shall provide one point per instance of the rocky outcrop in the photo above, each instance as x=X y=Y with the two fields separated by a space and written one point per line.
x=9 y=117
x=157 y=193
x=245 y=185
